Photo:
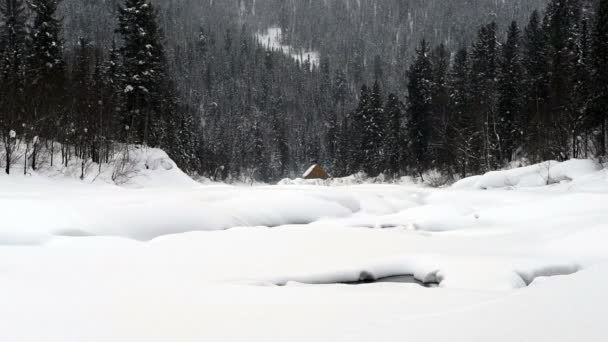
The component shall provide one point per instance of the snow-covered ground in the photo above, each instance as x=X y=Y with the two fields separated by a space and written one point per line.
x=167 y=259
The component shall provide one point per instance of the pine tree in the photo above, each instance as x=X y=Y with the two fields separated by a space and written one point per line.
x=599 y=48
x=340 y=88
x=419 y=110
x=259 y=160
x=81 y=113
x=580 y=107
x=373 y=133
x=561 y=25
x=110 y=86
x=511 y=121
x=394 y=140
x=463 y=126
x=440 y=119
x=46 y=66
x=148 y=100
x=536 y=83
x=280 y=145
x=484 y=68
x=356 y=131
x=12 y=68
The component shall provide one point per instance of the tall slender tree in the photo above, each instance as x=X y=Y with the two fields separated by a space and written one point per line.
x=484 y=70
x=420 y=77
x=510 y=122
x=394 y=140
x=373 y=133
x=148 y=102
x=536 y=86
x=463 y=127
x=46 y=76
x=440 y=119
x=562 y=27
x=599 y=48
x=12 y=72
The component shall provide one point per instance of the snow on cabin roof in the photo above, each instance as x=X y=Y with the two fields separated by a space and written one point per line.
x=310 y=170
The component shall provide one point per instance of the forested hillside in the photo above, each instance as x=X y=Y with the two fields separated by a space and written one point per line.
x=193 y=78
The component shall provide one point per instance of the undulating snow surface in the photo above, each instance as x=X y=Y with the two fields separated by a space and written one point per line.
x=166 y=259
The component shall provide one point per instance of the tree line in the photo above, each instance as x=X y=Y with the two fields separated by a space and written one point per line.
x=538 y=93
x=224 y=106
x=80 y=103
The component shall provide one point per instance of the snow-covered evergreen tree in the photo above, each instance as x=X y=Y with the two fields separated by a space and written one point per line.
x=511 y=121
x=148 y=103
x=46 y=71
x=394 y=141
x=535 y=63
x=13 y=34
x=484 y=72
x=373 y=133
x=419 y=111
x=562 y=27
x=440 y=120
x=463 y=127
x=599 y=47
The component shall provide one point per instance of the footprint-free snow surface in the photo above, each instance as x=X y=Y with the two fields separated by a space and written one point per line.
x=509 y=258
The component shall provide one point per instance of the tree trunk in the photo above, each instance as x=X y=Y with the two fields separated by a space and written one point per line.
x=25 y=159
x=604 y=136
x=82 y=170
x=34 y=156
x=8 y=157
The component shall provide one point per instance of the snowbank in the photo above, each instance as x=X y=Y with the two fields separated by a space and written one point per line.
x=98 y=262
x=148 y=213
x=130 y=166
x=532 y=176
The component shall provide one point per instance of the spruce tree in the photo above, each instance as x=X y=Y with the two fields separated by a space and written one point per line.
x=561 y=25
x=356 y=132
x=373 y=133
x=440 y=119
x=46 y=72
x=462 y=129
x=599 y=48
x=109 y=93
x=419 y=110
x=148 y=98
x=580 y=108
x=484 y=68
x=535 y=63
x=81 y=113
x=394 y=140
x=511 y=122
x=13 y=33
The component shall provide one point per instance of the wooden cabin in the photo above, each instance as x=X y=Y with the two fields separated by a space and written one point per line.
x=316 y=172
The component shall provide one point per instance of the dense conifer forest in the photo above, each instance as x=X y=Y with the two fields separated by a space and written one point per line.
x=400 y=87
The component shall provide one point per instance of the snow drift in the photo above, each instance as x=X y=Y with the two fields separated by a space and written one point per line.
x=546 y=173
x=101 y=262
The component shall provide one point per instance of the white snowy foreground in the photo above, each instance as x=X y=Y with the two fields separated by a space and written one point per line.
x=515 y=259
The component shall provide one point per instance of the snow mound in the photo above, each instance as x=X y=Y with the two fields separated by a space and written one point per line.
x=130 y=166
x=151 y=212
x=537 y=175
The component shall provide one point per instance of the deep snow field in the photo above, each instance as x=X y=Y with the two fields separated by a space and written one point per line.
x=500 y=257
